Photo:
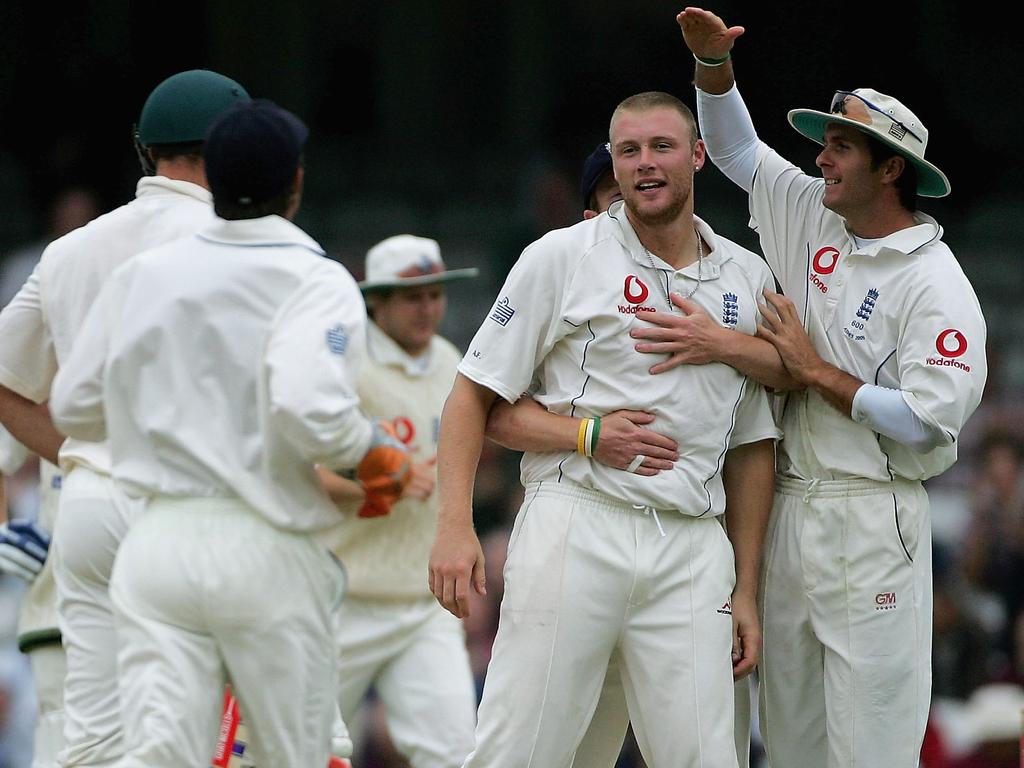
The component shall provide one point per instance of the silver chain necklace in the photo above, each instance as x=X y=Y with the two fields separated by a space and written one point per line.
x=700 y=272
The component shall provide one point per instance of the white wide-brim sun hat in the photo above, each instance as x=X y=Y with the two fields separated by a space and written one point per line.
x=407 y=261
x=883 y=118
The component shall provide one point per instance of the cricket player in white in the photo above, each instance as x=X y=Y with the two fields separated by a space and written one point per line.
x=39 y=328
x=220 y=366
x=391 y=632
x=883 y=329
x=527 y=426
x=605 y=559
x=23 y=550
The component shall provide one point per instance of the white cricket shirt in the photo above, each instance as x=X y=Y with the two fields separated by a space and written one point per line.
x=220 y=365
x=387 y=556
x=898 y=312
x=566 y=310
x=40 y=324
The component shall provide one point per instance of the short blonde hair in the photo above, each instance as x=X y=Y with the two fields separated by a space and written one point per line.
x=642 y=102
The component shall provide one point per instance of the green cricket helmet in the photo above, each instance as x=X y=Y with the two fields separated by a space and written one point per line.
x=182 y=107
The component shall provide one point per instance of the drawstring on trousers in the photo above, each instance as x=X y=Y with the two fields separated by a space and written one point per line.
x=809 y=490
x=653 y=513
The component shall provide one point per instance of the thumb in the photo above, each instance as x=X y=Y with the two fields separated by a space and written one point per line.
x=479 y=576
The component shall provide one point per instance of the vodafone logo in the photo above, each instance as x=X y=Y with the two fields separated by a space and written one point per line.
x=825 y=260
x=404 y=430
x=951 y=343
x=634 y=291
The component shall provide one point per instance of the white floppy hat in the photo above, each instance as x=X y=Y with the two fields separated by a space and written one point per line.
x=881 y=117
x=405 y=261
x=994 y=712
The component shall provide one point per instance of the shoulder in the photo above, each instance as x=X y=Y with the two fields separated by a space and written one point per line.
x=572 y=245
x=743 y=259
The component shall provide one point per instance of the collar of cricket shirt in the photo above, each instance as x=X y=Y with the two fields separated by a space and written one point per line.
x=713 y=260
x=264 y=232
x=924 y=232
x=157 y=185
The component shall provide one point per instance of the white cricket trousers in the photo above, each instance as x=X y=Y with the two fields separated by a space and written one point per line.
x=847 y=619
x=414 y=653
x=48 y=671
x=93 y=517
x=602 y=743
x=587 y=574
x=207 y=592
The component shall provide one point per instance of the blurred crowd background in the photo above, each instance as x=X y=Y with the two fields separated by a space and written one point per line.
x=468 y=122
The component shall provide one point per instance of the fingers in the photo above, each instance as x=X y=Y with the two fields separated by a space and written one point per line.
x=657 y=445
x=663 y=319
x=667 y=365
x=479 y=577
x=636 y=417
x=686 y=305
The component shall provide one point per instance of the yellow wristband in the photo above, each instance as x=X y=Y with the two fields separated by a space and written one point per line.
x=581 y=438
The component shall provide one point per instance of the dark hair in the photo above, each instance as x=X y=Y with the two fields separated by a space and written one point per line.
x=193 y=150
x=641 y=102
x=906 y=182
x=278 y=204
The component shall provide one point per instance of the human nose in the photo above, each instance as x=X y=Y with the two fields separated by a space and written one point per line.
x=823 y=158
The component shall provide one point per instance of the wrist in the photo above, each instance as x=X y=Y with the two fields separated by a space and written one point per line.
x=712 y=61
x=587 y=435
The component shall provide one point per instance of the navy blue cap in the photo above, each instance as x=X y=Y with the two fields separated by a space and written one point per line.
x=597 y=164
x=252 y=152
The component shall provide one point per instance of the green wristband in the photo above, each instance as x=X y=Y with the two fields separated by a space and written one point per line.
x=595 y=434
x=709 y=62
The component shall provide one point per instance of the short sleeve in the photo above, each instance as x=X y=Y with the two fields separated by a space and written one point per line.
x=941 y=348
x=754 y=419
x=28 y=362
x=523 y=325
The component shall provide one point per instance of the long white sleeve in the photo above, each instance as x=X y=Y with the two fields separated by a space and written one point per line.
x=886 y=412
x=729 y=135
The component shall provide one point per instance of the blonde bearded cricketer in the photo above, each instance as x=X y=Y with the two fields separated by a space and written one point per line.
x=620 y=559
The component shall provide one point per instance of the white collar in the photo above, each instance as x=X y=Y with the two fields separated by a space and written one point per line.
x=155 y=185
x=713 y=259
x=266 y=231
x=906 y=241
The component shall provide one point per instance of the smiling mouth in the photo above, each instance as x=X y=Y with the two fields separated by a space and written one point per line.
x=647 y=186
x=831 y=182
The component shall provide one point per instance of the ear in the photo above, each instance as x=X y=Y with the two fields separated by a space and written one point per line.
x=589 y=214
x=893 y=169
x=699 y=155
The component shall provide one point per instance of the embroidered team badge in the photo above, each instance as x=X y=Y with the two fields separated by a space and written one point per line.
x=502 y=312
x=855 y=331
x=730 y=310
x=337 y=340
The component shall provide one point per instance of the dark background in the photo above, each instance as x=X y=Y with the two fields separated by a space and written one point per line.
x=468 y=121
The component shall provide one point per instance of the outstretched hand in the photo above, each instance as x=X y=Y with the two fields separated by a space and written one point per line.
x=692 y=338
x=705 y=33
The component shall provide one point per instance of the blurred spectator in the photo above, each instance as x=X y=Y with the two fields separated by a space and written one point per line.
x=994 y=721
x=961 y=647
x=72 y=208
x=993 y=558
